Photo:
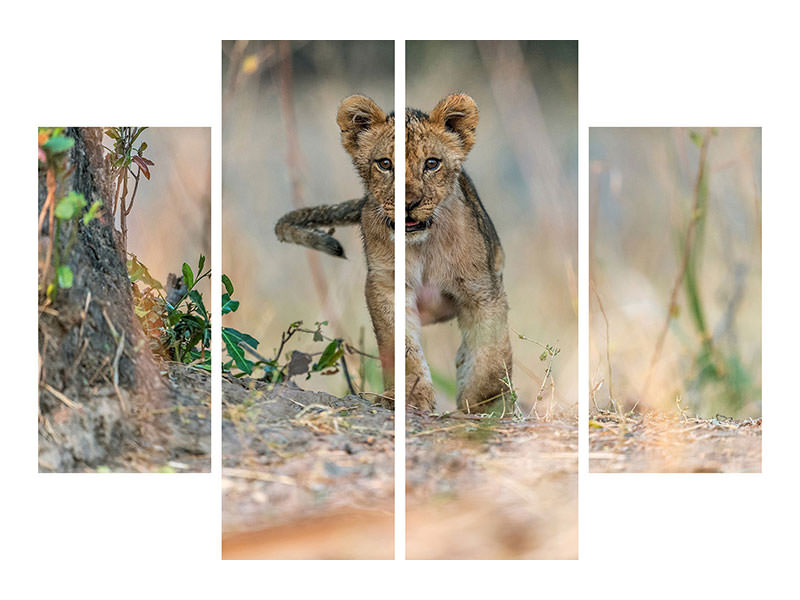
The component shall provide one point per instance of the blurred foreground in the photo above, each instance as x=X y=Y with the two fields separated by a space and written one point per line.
x=481 y=488
x=306 y=475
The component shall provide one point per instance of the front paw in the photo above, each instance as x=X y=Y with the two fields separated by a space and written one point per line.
x=419 y=393
x=495 y=400
x=387 y=396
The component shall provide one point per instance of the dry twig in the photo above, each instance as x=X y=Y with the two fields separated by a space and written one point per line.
x=62 y=397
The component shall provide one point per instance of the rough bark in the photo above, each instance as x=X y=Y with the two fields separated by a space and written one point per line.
x=83 y=331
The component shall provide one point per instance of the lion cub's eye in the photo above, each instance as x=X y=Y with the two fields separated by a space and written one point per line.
x=384 y=164
x=432 y=164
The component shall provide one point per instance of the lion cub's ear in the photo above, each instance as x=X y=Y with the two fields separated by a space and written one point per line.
x=458 y=113
x=356 y=115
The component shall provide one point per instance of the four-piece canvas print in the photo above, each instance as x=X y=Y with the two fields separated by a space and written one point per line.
x=306 y=314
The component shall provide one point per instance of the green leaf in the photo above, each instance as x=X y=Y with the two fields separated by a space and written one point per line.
x=192 y=322
x=330 y=356
x=59 y=143
x=228 y=305
x=236 y=352
x=139 y=131
x=64 y=276
x=200 y=264
x=696 y=138
x=70 y=206
x=65 y=209
x=198 y=300
x=206 y=366
x=242 y=337
x=174 y=317
x=228 y=285
x=92 y=212
x=188 y=276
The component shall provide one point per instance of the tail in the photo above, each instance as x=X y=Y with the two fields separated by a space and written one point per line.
x=299 y=226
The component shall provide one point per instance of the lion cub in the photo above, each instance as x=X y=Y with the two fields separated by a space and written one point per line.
x=454 y=260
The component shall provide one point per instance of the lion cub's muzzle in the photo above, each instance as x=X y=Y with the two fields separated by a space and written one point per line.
x=414 y=222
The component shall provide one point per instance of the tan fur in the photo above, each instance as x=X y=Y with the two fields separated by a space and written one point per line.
x=368 y=136
x=454 y=265
x=454 y=259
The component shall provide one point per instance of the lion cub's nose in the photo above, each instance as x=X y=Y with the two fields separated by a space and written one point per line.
x=412 y=205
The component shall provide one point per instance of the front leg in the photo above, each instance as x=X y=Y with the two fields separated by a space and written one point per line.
x=419 y=386
x=380 y=302
x=483 y=360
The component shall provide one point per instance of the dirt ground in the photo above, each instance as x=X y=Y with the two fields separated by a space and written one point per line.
x=307 y=475
x=485 y=488
x=166 y=429
x=661 y=443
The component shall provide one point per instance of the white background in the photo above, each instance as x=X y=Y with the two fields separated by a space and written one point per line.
x=641 y=63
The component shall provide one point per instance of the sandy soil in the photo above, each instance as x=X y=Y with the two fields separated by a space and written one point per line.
x=166 y=428
x=660 y=443
x=308 y=475
x=484 y=488
x=305 y=474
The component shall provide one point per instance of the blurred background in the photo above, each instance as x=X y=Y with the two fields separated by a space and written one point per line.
x=525 y=167
x=642 y=189
x=171 y=218
x=281 y=150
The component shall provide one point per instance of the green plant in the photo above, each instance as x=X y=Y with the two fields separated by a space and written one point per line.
x=282 y=366
x=188 y=324
x=233 y=338
x=717 y=371
x=715 y=366
x=63 y=216
x=176 y=321
x=121 y=158
x=182 y=330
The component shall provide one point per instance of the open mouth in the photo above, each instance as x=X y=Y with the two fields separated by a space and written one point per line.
x=412 y=225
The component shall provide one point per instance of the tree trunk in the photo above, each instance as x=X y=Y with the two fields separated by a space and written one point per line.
x=95 y=367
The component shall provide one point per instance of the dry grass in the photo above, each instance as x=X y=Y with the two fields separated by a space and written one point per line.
x=675 y=255
x=660 y=443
